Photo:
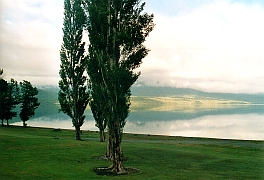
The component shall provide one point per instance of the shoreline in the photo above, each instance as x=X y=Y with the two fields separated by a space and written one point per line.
x=237 y=126
x=130 y=137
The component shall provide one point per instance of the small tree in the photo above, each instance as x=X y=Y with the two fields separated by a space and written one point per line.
x=28 y=100
x=73 y=95
x=97 y=108
x=9 y=99
x=3 y=92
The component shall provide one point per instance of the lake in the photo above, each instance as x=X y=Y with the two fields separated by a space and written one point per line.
x=238 y=122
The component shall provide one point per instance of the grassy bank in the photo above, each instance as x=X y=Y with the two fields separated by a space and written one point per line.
x=38 y=153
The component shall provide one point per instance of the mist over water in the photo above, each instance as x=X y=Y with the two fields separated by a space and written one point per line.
x=237 y=126
x=245 y=123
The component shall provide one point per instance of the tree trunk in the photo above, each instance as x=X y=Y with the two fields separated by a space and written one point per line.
x=7 y=123
x=78 y=132
x=102 y=135
x=3 y=123
x=24 y=124
x=114 y=130
x=117 y=165
x=109 y=146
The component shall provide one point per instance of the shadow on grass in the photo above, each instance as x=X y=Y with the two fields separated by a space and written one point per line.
x=104 y=157
x=105 y=171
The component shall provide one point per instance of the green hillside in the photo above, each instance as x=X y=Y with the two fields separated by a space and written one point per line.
x=145 y=98
x=180 y=92
x=178 y=103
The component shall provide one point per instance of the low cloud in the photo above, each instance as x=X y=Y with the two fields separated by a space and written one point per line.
x=30 y=40
x=214 y=46
x=218 y=47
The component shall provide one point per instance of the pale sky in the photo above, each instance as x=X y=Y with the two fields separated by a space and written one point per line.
x=209 y=45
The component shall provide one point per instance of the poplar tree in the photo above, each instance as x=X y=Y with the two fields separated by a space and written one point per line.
x=117 y=30
x=73 y=95
x=29 y=101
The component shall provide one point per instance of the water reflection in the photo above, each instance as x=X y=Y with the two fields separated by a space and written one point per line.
x=237 y=126
x=58 y=123
x=231 y=123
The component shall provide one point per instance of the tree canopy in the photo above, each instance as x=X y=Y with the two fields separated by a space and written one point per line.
x=73 y=95
x=10 y=98
x=29 y=101
x=11 y=95
x=117 y=30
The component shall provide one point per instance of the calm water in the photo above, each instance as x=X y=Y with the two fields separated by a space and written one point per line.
x=231 y=123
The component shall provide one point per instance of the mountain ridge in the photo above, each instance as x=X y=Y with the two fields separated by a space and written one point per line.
x=178 y=92
x=159 y=91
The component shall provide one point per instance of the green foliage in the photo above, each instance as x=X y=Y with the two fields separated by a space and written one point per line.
x=3 y=92
x=117 y=30
x=73 y=94
x=98 y=110
x=28 y=100
x=10 y=97
x=96 y=58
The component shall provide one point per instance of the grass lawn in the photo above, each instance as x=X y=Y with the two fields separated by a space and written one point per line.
x=39 y=153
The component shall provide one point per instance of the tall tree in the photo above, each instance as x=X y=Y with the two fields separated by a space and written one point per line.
x=29 y=101
x=117 y=30
x=73 y=94
x=10 y=98
x=96 y=58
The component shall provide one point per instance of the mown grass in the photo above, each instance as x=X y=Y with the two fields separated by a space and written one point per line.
x=39 y=153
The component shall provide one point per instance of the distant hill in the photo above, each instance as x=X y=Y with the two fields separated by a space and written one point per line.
x=49 y=94
x=178 y=102
x=48 y=99
x=178 y=92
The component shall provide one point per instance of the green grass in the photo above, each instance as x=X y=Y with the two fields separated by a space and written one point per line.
x=38 y=153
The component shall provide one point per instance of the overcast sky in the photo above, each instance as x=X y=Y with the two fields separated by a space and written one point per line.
x=214 y=46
